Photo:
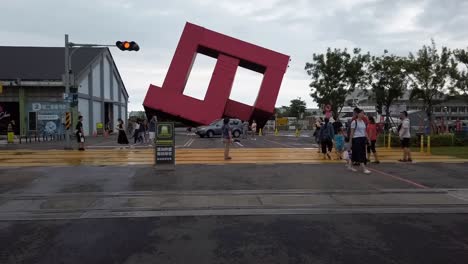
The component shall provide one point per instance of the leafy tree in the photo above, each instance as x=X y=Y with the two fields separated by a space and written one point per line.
x=430 y=73
x=389 y=81
x=460 y=74
x=335 y=74
x=297 y=107
x=282 y=111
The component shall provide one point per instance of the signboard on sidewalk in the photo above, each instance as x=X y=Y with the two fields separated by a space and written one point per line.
x=164 y=152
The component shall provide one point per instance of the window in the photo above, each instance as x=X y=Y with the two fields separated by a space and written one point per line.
x=453 y=109
x=437 y=109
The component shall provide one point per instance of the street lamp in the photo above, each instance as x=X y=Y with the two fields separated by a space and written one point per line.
x=126 y=45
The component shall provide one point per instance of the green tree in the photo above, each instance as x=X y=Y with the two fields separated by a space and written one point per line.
x=430 y=74
x=388 y=81
x=297 y=107
x=335 y=74
x=282 y=111
x=460 y=74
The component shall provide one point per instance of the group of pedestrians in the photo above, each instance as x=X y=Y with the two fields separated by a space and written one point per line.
x=245 y=129
x=144 y=132
x=354 y=143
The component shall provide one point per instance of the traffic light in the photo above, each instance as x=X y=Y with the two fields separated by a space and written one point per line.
x=127 y=45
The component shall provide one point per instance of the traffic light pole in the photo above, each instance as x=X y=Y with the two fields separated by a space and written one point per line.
x=66 y=78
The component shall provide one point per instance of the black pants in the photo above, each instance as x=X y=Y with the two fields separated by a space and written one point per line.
x=326 y=144
x=359 y=150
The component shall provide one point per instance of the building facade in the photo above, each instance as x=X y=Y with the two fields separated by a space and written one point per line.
x=33 y=90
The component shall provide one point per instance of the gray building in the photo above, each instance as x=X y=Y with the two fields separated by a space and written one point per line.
x=448 y=108
x=33 y=89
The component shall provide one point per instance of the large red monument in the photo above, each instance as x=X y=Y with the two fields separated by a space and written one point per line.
x=169 y=102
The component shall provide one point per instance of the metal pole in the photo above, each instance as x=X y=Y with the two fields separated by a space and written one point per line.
x=67 y=89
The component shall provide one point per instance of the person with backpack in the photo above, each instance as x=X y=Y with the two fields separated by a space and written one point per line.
x=358 y=139
x=327 y=134
x=372 y=139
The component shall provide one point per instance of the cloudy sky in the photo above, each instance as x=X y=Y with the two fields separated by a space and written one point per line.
x=297 y=28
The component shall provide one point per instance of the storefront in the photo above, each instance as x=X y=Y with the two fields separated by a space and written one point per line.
x=9 y=111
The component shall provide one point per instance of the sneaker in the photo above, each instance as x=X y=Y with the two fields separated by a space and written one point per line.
x=228 y=158
x=366 y=171
x=352 y=169
x=410 y=160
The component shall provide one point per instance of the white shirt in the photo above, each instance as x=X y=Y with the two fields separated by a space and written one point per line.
x=359 y=128
x=405 y=129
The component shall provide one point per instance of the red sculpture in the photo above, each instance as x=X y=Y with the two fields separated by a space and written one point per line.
x=169 y=102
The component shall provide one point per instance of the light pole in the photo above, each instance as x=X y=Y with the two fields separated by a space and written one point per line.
x=124 y=46
x=446 y=119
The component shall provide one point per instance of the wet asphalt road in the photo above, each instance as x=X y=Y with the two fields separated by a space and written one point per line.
x=320 y=238
x=384 y=238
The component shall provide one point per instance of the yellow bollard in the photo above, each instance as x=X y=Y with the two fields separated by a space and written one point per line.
x=297 y=132
x=389 y=140
x=276 y=132
x=260 y=133
x=10 y=137
x=429 y=144
x=422 y=144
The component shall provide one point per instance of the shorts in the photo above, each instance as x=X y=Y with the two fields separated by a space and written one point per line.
x=371 y=147
x=405 y=143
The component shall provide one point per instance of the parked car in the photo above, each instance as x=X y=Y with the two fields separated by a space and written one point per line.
x=214 y=129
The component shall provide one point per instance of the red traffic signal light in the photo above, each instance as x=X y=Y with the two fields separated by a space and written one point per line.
x=127 y=45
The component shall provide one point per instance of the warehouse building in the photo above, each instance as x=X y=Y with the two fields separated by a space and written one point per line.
x=33 y=89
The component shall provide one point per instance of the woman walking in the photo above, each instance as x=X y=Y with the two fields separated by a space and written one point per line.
x=358 y=141
x=80 y=133
x=122 y=138
x=327 y=135
x=227 y=138
x=371 y=139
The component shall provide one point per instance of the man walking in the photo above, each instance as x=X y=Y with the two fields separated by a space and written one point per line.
x=405 y=137
x=227 y=137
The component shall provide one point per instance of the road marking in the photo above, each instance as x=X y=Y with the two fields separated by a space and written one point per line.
x=281 y=144
x=400 y=179
x=189 y=142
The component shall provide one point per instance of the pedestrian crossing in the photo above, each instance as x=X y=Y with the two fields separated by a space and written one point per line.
x=125 y=157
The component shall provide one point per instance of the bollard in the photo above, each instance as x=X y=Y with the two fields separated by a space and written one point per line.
x=10 y=137
x=276 y=132
x=260 y=133
x=422 y=144
x=297 y=132
x=389 y=140
x=429 y=144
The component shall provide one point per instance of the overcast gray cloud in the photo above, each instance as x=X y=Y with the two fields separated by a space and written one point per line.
x=298 y=28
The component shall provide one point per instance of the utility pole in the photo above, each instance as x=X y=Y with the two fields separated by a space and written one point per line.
x=67 y=89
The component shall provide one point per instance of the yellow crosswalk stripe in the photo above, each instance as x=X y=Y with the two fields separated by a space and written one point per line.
x=118 y=157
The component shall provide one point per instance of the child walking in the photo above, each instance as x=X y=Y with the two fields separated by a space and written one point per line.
x=340 y=143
